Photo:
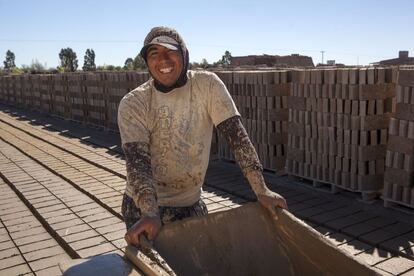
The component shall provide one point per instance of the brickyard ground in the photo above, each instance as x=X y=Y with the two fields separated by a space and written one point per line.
x=62 y=185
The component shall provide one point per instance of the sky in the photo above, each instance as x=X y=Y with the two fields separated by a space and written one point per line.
x=354 y=32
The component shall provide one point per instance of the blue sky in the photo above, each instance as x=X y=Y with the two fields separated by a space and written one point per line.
x=349 y=31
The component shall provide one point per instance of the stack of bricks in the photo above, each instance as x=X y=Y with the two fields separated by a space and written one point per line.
x=95 y=99
x=36 y=98
x=261 y=98
x=19 y=88
x=26 y=90
x=338 y=127
x=77 y=97
x=399 y=172
x=116 y=86
x=46 y=85
x=60 y=103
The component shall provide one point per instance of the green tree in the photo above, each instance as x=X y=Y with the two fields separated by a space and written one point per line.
x=9 y=62
x=68 y=60
x=204 y=63
x=129 y=64
x=226 y=59
x=89 y=60
x=139 y=63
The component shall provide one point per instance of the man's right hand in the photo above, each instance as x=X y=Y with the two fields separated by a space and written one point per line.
x=148 y=225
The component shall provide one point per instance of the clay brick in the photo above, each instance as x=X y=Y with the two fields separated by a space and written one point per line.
x=80 y=236
x=121 y=243
x=96 y=250
x=373 y=122
x=7 y=253
x=44 y=253
x=399 y=176
x=376 y=91
x=397 y=192
x=400 y=144
x=354 y=247
x=376 y=236
x=38 y=245
x=400 y=243
x=20 y=220
x=11 y=261
x=73 y=230
x=408 y=273
x=404 y=111
x=396 y=265
x=121 y=233
x=61 y=218
x=373 y=256
x=4 y=237
x=48 y=262
x=6 y=245
x=54 y=270
x=78 y=245
x=16 y=270
x=27 y=233
x=23 y=226
x=406 y=77
x=359 y=229
x=339 y=238
x=66 y=224
x=32 y=239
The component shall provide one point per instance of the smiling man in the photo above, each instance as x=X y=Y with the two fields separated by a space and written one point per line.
x=166 y=126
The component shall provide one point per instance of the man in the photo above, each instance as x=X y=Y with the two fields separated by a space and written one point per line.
x=166 y=127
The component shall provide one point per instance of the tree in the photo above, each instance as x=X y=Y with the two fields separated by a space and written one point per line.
x=129 y=64
x=226 y=59
x=89 y=60
x=139 y=63
x=9 y=61
x=204 y=63
x=68 y=60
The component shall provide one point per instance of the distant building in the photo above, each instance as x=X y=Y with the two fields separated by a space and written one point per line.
x=330 y=62
x=294 y=60
x=403 y=59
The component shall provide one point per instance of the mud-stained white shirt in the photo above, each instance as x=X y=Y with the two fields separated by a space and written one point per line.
x=178 y=128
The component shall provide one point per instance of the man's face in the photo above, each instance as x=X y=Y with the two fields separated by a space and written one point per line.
x=164 y=64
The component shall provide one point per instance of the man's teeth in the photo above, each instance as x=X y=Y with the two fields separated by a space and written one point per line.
x=166 y=70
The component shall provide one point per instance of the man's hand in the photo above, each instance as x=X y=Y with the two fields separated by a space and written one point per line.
x=271 y=200
x=148 y=225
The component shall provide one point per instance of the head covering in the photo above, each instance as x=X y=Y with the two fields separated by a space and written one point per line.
x=170 y=39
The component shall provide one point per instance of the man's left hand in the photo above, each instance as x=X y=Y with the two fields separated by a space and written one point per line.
x=271 y=200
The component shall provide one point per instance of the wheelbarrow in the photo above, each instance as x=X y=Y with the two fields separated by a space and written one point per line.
x=241 y=241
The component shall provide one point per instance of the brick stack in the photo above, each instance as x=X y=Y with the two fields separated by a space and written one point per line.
x=116 y=86
x=77 y=96
x=338 y=125
x=46 y=87
x=36 y=98
x=95 y=99
x=261 y=98
x=399 y=172
x=19 y=89
x=60 y=98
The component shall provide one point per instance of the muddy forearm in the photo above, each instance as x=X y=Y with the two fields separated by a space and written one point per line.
x=139 y=177
x=244 y=152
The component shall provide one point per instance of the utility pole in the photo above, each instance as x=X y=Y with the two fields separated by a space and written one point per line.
x=322 y=52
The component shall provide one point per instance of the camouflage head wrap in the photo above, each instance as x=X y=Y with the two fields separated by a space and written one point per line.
x=169 y=38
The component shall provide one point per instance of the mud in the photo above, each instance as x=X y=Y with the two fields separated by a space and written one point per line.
x=247 y=241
